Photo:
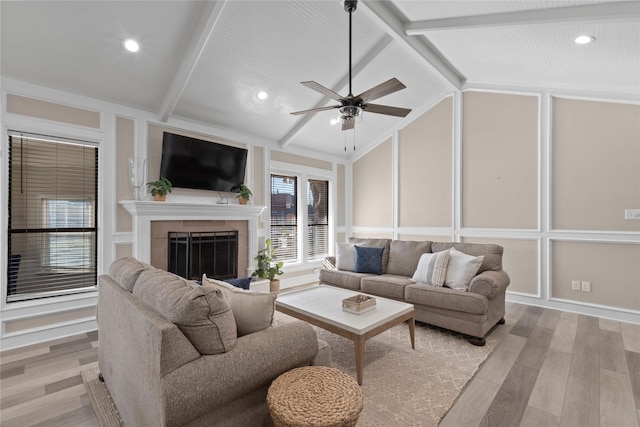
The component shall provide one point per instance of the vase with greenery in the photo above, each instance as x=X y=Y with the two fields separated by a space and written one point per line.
x=268 y=266
x=160 y=188
x=244 y=194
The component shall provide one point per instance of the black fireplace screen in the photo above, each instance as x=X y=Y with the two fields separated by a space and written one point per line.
x=212 y=252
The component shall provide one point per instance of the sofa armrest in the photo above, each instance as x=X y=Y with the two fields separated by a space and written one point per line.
x=329 y=263
x=490 y=283
x=254 y=362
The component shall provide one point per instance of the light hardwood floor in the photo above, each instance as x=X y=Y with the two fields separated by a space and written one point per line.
x=551 y=368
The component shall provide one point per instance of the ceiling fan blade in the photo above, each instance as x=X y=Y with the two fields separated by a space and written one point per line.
x=385 y=109
x=319 y=88
x=315 y=110
x=348 y=124
x=390 y=86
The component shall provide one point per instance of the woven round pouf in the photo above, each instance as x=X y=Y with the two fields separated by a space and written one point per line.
x=314 y=396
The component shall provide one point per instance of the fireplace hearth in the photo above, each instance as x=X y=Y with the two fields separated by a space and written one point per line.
x=194 y=253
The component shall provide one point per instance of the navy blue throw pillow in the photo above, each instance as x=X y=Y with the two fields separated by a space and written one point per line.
x=243 y=283
x=368 y=260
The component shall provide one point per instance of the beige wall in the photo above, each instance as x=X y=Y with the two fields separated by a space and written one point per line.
x=424 y=238
x=18 y=325
x=52 y=111
x=520 y=261
x=281 y=156
x=380 y=235
x=595 y=164
x=612 y=268
x=124 y=250
x=373 y=187
x=341 y=182
x=124 y=191
x=425 y=151
x=499 y=161
x=258 y=177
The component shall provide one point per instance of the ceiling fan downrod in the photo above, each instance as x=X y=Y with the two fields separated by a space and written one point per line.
x=350 y=6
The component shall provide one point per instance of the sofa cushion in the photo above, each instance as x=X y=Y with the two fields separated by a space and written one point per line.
x=432 y=268
x=126 y=271
x=492 y=253
x=342 y=279
x=345 y=256
x=375 y=243
x=253 y=311
x=201 y=313
x=368 y=260
x=387 y=285
x=405 y=255
x=461 y=269
x=446 y=298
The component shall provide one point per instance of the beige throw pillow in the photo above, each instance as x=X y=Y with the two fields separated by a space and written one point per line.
x=461 y=269
x=252 y=310
x=202 y=314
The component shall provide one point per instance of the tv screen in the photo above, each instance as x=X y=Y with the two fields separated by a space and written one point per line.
x=194 y=163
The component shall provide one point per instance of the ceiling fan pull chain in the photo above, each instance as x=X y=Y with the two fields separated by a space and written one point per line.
x=354 y=138
x=345 y=142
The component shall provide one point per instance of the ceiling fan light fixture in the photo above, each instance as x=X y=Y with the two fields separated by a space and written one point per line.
x=584 y=39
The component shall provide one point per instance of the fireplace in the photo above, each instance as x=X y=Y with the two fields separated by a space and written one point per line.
x=153 y=220
x=194 y=253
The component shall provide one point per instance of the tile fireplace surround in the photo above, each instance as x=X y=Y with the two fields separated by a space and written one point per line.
x=145 y=212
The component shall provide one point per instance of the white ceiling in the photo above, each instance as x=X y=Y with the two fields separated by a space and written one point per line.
x=205 y=61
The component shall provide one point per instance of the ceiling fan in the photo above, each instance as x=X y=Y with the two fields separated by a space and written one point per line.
x=351 y=106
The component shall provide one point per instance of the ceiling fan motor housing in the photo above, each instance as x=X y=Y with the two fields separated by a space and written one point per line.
x=350 y=5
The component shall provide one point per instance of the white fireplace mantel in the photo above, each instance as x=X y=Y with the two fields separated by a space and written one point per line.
x=143 y=212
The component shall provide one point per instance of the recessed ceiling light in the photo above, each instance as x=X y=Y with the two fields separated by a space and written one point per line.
x=334 y=122
x=131 y=45
x=262 y=95
x=586 y=39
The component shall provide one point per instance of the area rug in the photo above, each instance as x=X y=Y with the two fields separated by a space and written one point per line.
x=100 y=398
x=401 y=386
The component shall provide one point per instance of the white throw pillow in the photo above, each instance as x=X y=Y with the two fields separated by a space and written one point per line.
x=461 y=269
x=345 y=256
x=432 y=268
x=252 y=310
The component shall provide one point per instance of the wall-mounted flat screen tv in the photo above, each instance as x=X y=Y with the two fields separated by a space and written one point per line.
x=194 y=163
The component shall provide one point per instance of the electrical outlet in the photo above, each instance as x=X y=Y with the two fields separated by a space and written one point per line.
x=632 y=214
x=586 y=286
x=575 y=285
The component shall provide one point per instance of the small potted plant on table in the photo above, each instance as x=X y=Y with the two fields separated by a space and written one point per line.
x=268 y=267
x=244 y=194
x=160 y=188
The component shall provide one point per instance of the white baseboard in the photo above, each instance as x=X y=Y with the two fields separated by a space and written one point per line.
x=40 y=335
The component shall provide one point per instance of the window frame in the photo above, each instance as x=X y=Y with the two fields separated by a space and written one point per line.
x=303 y=175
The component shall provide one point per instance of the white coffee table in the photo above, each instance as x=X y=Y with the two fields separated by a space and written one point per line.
x=322 y=306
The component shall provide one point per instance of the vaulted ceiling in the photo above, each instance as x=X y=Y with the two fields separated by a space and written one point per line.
x=206 y=61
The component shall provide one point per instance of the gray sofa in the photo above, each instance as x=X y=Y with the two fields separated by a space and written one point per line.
x=473 y=312
x=153 y=330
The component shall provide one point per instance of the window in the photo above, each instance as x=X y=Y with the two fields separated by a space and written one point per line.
x=52 y=224
x=284 y=217
x=299 y=235
x=317 y=242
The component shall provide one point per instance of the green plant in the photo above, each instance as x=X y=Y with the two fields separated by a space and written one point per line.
x=268 y=267
x=244 y=192
x=160 y=187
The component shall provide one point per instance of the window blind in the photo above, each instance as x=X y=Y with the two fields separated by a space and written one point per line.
x=284 y=217
x=52 y=224
x=317 y=219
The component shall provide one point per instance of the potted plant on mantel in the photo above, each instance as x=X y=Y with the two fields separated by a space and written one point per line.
x=160 y=188
x=244 y=194
x=268 y=267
